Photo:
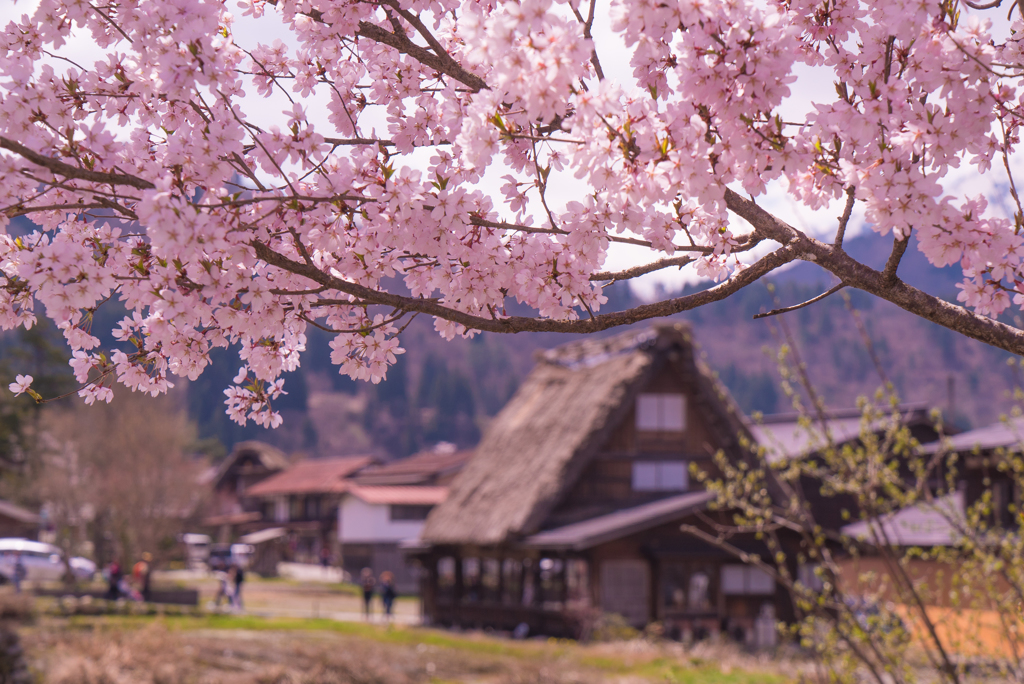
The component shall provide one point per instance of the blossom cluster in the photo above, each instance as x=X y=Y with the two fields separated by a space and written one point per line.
x=164 y=175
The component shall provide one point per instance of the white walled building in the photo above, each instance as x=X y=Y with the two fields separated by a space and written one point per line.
x=373 y=522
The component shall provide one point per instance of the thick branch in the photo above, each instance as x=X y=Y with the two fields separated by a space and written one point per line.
x=442 y=64
x=513 y=324
x=69 y=171
x=855 y=274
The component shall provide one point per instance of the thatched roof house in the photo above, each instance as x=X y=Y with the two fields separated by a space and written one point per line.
x=573 y=500
x=565 y=411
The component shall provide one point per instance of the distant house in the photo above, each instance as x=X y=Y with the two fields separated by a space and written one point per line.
x=303 y=500
x=386 y=506
x=16 y=521
x=981 y=452
x=230 y=510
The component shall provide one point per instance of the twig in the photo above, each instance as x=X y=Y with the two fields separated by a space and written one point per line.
x=845 y=218
x=810 y=301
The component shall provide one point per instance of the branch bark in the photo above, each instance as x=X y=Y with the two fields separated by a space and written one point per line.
x=857 y=275
x=69 y=171
x=514 y=324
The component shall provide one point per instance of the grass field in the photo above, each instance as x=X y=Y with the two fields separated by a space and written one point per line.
x=252 y=650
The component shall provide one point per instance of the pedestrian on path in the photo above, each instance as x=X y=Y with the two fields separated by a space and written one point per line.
x=222 y=588
x=141 y=575
x=114 y=581
x=238 y=574
x=387 y=593
x=368 y=582
x=20 y=572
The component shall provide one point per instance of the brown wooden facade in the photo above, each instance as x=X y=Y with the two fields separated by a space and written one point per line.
x=609 y=542
x=659 y=576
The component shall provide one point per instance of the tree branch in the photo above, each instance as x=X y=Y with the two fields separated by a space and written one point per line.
x=442 y=64
x=69 y=171
x=514 y=324
x=899 y=246
x=845 y=218
x=812 y=300
x=637 y=271
x=855 y=274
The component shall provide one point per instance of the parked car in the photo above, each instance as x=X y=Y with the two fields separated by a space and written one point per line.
x=43 y=562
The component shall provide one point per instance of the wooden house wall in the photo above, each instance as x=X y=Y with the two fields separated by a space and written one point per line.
x=606 y=482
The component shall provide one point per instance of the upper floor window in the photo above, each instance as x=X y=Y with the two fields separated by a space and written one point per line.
x=660 y=476
x=661 y=412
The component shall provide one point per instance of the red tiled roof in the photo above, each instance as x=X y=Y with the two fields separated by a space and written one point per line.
x=414 y=496
x=414 y=469
x=322 y=475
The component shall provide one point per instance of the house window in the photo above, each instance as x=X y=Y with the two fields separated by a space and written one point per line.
x=661 y=413
x=744 y=580
x=660 y=476
x=409 y=512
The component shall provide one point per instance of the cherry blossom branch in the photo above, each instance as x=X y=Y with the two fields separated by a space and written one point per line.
x=69 y=171
x=844 y=220
x=442 y=63
x=514 y=324
x=638 y=271
x=855 y=274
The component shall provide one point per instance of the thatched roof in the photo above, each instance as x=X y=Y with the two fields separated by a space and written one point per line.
x=538 y=445
x=269 y=457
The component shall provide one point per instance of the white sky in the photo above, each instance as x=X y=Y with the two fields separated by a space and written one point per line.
x=614 y=57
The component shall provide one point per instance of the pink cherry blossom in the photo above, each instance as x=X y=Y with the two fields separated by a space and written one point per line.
x=382 y=159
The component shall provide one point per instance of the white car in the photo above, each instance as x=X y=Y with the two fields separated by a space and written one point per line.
x=43 y=562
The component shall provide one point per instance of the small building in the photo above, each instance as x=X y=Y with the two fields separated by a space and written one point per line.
x=304 y=501
x=572 y=503
x=985 y=465
x=385 y=508
x=230 y=509
x=374 y=521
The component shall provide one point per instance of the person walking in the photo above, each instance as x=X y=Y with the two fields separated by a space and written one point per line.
x=238 y=574
x=223 y=594
x=114 y=581
x=140 y=575
x=20 y=572
x=368 y=582
x=387 y=593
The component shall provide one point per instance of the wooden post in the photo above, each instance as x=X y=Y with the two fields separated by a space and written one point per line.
x=457 y=589
x=654 y=599
x=563 y=593
x=501 y=579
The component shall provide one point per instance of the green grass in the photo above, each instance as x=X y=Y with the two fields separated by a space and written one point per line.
x=662 y=670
